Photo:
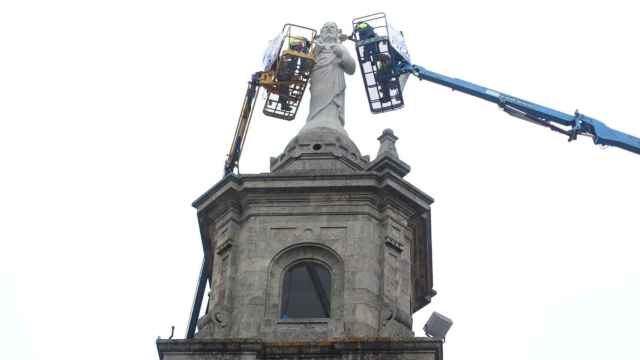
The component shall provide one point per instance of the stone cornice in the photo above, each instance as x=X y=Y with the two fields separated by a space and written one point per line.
x=334 y=347
x=310 y=180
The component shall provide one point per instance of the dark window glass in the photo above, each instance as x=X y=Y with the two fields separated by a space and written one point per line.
x=306 y=292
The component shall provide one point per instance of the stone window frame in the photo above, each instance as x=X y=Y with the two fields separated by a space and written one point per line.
x=293 y=255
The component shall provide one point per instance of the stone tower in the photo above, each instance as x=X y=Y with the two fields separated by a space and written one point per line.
x=326 y=256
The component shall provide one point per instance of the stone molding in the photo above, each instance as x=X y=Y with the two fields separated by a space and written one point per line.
x=339 y=348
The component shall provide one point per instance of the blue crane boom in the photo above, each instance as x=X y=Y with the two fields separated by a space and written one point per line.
x=576 y=124
x=385 y=64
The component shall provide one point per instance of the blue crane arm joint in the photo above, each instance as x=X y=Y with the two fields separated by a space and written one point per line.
x=574 y=125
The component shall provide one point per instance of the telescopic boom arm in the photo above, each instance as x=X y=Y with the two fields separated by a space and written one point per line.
x=240 y=135
x=570 y=125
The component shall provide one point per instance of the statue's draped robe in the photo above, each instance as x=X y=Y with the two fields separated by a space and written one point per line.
x=326 y=108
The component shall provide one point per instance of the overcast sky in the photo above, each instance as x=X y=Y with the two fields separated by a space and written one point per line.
x=115 y=115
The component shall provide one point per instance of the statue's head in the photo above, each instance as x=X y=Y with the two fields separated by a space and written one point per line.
x=329 y=33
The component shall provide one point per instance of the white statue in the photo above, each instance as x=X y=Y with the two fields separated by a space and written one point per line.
x=326 y=108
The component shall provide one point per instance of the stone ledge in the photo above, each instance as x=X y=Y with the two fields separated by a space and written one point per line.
x=319 y=321
x=334 y=348
x=307 y=180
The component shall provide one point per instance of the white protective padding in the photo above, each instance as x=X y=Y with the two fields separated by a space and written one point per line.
x=272 y=52
x=397 y=41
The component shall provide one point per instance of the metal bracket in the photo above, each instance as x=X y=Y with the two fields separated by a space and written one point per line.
x=577 y=126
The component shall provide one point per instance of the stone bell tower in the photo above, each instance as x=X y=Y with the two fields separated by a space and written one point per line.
x=327 y=255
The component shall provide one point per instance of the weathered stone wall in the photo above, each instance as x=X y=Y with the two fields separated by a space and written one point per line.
x=363 y=234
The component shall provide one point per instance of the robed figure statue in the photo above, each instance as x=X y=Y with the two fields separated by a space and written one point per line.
x=326 y=108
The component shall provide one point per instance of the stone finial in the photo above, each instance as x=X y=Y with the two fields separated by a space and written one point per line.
x=387 y=159
x=388 y=144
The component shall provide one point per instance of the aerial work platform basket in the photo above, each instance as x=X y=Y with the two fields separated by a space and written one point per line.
x=288 y=62
x=380 y=49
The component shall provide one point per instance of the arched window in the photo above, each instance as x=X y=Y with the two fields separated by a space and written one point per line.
x=306 y=291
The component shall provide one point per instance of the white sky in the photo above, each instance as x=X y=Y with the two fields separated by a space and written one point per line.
x=115 y=115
